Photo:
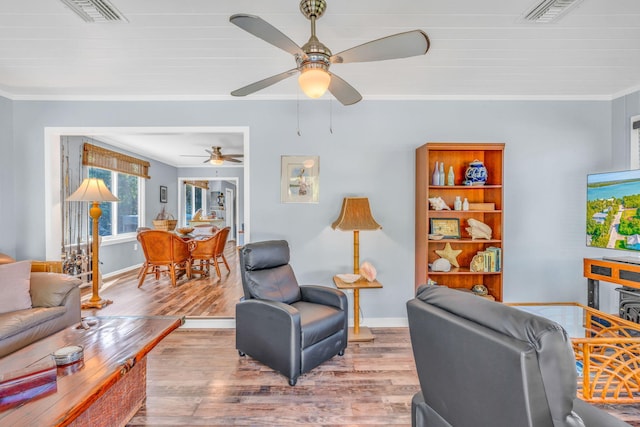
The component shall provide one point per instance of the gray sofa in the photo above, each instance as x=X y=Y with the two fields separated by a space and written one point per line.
x=482 y=363
x=56 y=305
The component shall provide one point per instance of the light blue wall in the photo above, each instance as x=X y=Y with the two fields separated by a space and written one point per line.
x=550 y=147
x=7 y=180
x=623 y=109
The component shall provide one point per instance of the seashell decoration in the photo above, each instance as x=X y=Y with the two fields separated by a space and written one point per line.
x=368 y=271
x=438 y=204
x=478 y=229
x=441 y=264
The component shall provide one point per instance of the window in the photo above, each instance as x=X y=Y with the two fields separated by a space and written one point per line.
x=194 y=200
x=124 y=216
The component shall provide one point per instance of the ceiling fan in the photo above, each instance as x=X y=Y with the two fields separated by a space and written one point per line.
x=313 y=59
x=217 y=158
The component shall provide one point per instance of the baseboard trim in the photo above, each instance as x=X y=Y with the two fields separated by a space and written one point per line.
x=230 y=323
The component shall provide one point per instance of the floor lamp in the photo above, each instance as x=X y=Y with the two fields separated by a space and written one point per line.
x=355 y=215
x=95 y=191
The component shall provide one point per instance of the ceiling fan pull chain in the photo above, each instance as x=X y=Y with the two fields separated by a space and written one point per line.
x=331 y=115
x=298 y=111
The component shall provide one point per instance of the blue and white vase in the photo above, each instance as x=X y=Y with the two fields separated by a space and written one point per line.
x=476 y=173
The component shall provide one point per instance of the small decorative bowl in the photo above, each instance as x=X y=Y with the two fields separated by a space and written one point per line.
x=348 y=278
x=67 y=355
x=185 y=230
x=436 y=236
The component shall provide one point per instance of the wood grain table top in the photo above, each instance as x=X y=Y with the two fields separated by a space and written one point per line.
x=112 y=346
x=361 y=283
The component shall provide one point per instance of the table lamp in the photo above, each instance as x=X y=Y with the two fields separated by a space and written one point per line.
x=355 y=215
x=95 y=191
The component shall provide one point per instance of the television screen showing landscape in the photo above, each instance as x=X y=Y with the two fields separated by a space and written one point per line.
x=613 y=210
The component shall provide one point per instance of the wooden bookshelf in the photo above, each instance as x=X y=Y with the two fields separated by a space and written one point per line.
x=458 y=155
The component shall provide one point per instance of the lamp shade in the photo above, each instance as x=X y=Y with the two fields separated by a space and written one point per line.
x=355 y=215
x=92 y=190
x=314 y=82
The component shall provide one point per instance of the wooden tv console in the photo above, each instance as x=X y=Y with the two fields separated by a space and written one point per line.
x=619 y=273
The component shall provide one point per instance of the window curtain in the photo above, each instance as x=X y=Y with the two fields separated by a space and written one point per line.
x=198 y=184
x=103 y=158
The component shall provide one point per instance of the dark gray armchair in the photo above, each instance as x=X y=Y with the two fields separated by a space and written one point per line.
x=290 y=328
x=483 y=363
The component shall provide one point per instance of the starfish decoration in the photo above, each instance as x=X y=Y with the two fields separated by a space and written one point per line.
x=450 y=254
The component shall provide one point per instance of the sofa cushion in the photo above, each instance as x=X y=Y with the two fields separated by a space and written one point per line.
x=21 y=320
x=274 y=284
x=50 y=289
x=14 y=286
x=318 y=321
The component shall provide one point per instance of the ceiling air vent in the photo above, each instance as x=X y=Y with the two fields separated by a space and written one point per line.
x=95 y=10
x=549 y=10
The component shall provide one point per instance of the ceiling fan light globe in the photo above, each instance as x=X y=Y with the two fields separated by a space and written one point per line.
x=314 y=82
x=216 y=162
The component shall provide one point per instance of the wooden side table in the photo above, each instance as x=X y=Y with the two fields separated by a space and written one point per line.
x=357 y=333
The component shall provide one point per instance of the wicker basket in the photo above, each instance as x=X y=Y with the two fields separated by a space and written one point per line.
x=165 y=224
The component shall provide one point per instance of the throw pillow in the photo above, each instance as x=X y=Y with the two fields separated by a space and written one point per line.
x=50 y=289
x=14 y=286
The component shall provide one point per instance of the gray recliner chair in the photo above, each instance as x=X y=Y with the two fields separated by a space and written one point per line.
x=290 y=328
x=482 y=363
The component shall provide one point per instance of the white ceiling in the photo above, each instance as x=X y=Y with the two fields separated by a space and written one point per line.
x=178 y=149
x=188 y=49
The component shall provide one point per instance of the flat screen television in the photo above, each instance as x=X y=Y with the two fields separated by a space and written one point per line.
x=613 y=210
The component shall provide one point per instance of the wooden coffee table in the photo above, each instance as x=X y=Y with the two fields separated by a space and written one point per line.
x=607 y=350
x=110 y=386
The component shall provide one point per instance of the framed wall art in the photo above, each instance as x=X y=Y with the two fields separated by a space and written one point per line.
x=163 y=194
x=300 y=179
x=448 y=227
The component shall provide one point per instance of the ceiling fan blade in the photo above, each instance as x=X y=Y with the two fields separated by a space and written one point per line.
x=254 y=87
x=402 y=45
x=267 y=32
x=343 y=91
x=232 y=160
x=207 y=161
x=233 y=155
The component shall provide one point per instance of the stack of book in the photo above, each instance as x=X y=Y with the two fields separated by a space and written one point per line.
x=492 y=259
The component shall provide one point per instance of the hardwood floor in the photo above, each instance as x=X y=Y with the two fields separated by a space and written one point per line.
x=196 y=378
x=211 y=296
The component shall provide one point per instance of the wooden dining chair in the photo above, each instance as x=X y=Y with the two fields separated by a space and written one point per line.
x=163 y=251
x=218 y=252
x=202 y=254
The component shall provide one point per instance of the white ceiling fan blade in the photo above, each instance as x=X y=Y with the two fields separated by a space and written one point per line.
x=343 y=91
x=265 y=31
x=402 y=45
x=254 y=87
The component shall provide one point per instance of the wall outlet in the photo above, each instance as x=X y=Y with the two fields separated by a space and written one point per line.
x=135 y=246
